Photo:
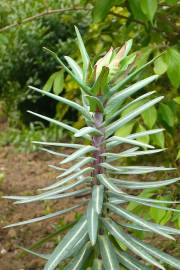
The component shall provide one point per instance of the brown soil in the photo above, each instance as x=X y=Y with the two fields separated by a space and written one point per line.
x=24 y=174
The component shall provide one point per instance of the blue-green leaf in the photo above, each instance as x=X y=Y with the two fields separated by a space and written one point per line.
x=164 y=257
x=97 y=197
x=116 y=231
x=70 y=103
x=108 y=184
x=139 y=185
x=58 y=213
x=86 y=131
x=108 y=254
x=78 y=261
x=117 y=124
x=78 y=153
x=66 y=244
x=115 y=101
x=56 y=122
x=130 y=216
x=68 y=145
x=92 y=223
x=130 y=262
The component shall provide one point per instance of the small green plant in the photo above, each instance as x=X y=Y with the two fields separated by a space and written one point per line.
x=22 y=138
x=102 y=238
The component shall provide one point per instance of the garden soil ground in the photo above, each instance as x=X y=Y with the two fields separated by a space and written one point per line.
x=24 y=174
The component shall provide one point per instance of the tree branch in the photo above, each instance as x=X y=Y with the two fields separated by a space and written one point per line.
x=126 y=18
x=42 y=14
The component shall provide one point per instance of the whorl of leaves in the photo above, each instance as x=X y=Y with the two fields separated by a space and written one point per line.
x=96 y=171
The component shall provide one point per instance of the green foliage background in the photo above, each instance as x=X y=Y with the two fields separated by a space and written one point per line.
x=153 y=25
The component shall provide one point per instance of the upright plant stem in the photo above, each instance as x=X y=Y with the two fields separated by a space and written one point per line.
x=97 y=141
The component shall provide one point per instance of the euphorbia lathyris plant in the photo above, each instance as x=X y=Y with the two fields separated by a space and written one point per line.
x=96 y=239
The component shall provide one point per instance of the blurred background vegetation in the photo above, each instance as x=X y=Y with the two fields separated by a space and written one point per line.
x=27 y=26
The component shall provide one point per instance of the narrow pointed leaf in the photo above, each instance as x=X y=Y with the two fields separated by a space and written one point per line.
x=117 y=124
x=130 y=216
x=115 y=114
x=133 y=199
x=84 y=53
x=53 y=152
x=78 y=153
x=97 y=198
x=78 y=173
x=167 y=229
x=58 y=213
x=70 y=103
x=56 y=122
x=50 y=193
x=133 y=154
x=164 y=257
x=78 y=262
x=64 y=181
x=115 y=101
x=108 y=184
x=139 y=185
x=92 y=223
x=144 y=133
x=129 y=141
x=130 y=262
x=132 y=169
x=68 y=145
x=157 y=206
x=76 y=79
x=64 y=247
x=121 y=82
x=87 y=130
x=115 y=230
x=109 y=258
x=69 y=178
x=57 y=168
x=75 y=67
x=80 y=244
x=77 y=166
x=70 y=194
x=141 y=199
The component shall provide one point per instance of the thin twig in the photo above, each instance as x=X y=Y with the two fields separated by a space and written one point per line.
x=126 y=18
x=42 y=14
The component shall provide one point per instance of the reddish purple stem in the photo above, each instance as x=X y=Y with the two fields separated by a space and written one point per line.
x=98 y=143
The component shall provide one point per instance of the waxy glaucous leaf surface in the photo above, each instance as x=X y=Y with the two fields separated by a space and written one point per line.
x=95 y=170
